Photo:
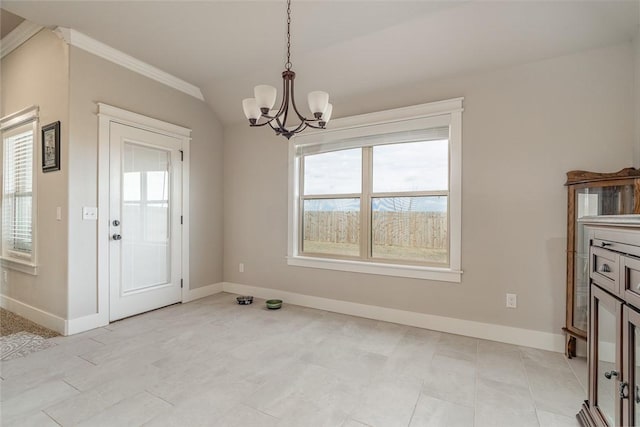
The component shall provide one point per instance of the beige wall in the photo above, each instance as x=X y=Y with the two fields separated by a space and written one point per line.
x=96 y=80
x=37 y=73
x=523 y=129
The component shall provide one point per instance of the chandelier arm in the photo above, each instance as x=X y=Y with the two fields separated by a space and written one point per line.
x=295 y=107
x=280 y=128
x=287 y=84
x=277 y=130
x=282 y=104
x=257 y=125
x=313 y=126
x=302 y=126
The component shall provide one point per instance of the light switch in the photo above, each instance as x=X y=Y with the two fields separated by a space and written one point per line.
x=90 y=214
x=59 y=213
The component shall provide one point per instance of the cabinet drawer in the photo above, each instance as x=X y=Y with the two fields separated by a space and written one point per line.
x=605 y=269
x=630 y=279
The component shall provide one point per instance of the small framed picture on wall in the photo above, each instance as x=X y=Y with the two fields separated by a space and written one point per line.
x=51 y=147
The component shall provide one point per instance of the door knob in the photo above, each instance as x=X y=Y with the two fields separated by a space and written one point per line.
x=610 y=374
x=623 y=390
x=116 y=223
x=116 y=237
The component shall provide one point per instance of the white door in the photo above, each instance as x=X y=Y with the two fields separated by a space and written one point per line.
x=145 y=260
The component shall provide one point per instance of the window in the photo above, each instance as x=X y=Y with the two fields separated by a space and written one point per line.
x=18 y=188
x=380 y=194
x=145 y=193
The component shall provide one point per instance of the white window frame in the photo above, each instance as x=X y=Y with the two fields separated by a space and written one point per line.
x=419 y=117
x=12 y=259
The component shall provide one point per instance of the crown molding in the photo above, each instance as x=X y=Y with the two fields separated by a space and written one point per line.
x=19 y=35
x=84 y=42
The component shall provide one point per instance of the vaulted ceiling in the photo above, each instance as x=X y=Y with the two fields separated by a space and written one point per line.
x=8 y=22
x=344 y=47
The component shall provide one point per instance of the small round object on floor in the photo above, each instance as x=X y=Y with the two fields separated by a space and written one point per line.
x=244 y=300
x=274 y=304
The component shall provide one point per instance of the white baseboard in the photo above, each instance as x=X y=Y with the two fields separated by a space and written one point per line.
x=34 y=314
x=488 y=331
x=92 y=321
x=201 y=292
x=581 y=348
x=501 y=333
x=86 y=323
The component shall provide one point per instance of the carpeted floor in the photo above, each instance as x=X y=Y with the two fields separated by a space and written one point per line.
x=19 y=336
x=21 y=344
x=11 y=323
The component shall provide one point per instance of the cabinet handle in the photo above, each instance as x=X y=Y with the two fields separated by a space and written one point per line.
x=605 y=268
x=637 y=394
x=605 y=244
x=610 y=374
x=623 y=388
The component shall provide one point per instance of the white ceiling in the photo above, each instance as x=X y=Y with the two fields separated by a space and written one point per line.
x=343 y=47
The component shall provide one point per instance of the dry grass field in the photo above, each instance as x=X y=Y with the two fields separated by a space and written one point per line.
x=406 y=236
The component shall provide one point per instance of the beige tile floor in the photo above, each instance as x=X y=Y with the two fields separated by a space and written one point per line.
x=214 y=363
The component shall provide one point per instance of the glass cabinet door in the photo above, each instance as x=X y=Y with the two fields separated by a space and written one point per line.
x=593 y=201
x=631 y=365
x=605 y=357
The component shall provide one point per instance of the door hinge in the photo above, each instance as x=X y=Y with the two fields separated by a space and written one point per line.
x=181 y=284
x=181 y=220
x=181 y=156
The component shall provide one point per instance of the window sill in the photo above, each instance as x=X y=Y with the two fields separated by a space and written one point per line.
x=413 y=272
x=19 y=265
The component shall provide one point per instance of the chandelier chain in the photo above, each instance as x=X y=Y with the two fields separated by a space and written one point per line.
x=288 y=63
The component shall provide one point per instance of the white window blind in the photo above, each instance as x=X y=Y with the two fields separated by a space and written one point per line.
x=421 y=129
x=17 y=196
x=432 y=134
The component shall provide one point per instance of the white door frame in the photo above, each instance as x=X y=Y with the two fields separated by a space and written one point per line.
x=108 y=114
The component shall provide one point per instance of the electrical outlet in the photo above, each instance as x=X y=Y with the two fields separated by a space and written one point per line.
x=89 y=213
x=241 y=267
x=512 y=301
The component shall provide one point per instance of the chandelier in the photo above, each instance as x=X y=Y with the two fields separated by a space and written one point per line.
x=260 y=107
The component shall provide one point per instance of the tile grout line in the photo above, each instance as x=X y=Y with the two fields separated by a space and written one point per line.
x=576 y=375
x=155 y=395
x=86 y=360
x=475 y=385
x=415 y=405
x=70 y=385
x=526 y=373
x=50 y=417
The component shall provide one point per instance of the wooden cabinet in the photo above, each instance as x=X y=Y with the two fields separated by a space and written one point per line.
x=591 y=194
x=614 y=322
